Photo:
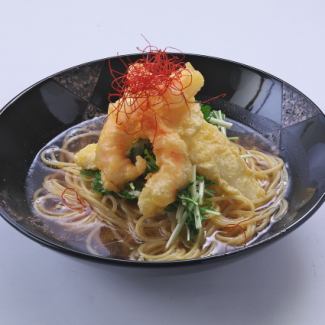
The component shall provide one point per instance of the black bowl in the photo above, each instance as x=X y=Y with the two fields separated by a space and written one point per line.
x=288 y=122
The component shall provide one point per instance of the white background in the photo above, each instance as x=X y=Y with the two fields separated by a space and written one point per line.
x=283 y=283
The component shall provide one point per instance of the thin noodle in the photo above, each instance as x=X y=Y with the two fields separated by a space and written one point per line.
x=144 y=238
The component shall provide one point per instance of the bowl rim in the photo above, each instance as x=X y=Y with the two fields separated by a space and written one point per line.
x=111 y=260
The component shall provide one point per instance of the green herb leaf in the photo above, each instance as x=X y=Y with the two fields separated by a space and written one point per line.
x=143 y=148
x=88 y=172
x=97 y=184
x=130 y=192
x=233 y=139
x=137 y=149
x=195 y=199
x=207 y=111
x=151 y=161
x=216 y=118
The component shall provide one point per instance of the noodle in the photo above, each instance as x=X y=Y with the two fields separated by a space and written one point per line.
x=113 y=226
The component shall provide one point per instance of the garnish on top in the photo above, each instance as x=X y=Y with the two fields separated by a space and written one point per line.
x=157 y=104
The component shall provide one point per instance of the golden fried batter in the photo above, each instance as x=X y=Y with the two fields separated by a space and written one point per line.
x=180 y=137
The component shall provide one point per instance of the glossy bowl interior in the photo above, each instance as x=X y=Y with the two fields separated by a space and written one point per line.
x=290 y=123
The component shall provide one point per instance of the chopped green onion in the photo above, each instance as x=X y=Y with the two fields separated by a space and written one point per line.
x=185 y=198
x=132 y=186
x=246 y=156
x=220 y=116
x=180 y=217
x=179 y=212
x=213 y=212
x=129 y=195
x=209 y=193
x=193 y=188
x=188 y=233
x=220 y=122
x=201 y=191
x=196 y=204
x=197 y=216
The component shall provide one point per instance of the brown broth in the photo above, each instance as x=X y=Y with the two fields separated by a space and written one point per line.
x=100 y=236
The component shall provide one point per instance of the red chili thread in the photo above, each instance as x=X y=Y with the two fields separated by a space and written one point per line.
x=149 y=76
x=82 y=204
x=222 y=95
